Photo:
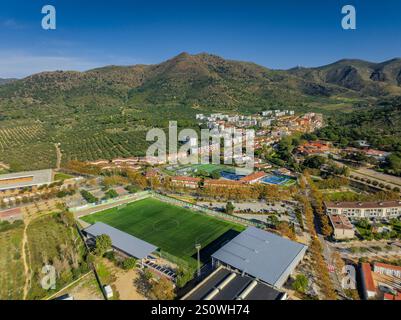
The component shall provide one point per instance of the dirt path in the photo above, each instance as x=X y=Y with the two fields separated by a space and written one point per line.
x=59 y=156
x=25 y=257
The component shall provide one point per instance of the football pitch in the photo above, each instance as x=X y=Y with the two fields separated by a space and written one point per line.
x=173 y=229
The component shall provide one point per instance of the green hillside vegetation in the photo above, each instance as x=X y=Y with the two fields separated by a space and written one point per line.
x=106 y=112
x=380 y=126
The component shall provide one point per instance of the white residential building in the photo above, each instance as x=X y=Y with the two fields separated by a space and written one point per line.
x=376 y=209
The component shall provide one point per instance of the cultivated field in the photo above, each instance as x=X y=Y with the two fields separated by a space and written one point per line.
x=173 y=229
x=26 y=147
x=12 y=277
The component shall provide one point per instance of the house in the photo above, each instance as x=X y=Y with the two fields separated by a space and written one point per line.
x=387 y=269
x=186 y=182
x=389 y=296
x=372 y=209
x=222 y=183
x=253 y=177
x=342 y=227
x=368 y=284
x=11 y=215
x=314 y=147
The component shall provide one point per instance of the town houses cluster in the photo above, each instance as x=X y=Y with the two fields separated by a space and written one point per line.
x=270 y=126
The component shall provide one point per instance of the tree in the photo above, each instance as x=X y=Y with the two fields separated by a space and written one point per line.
x=103 y=244
x=215 y=174
x=183 y=276
x=230 y=208
x=162 y=289
x=110 y=194
x=300 y=284
x=285 y=230
x=338 y=261
x=314 y=162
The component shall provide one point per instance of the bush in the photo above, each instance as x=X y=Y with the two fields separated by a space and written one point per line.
x=110 y=255
x=111 y=194
x=89 y=196
x=129 y=263
x=183 y=276
x=300 y=284
x=131 y=189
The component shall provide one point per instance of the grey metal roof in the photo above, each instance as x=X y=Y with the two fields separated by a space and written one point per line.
x=122 y=241
x=233 y=289
x=261 y=254
x=39 y=177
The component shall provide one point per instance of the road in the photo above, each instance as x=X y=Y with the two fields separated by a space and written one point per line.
x=327 y=251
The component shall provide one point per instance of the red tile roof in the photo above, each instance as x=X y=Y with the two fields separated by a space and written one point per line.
x=253 y=176
x=10 y=213
x=340 y=222
x=389 y=296
x=185 y=179
x=387 y=266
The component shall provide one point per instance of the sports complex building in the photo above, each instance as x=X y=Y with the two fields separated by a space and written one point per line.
x=252 y=266
x=242 y=263
x=25 y=179
x=262 y=255
x=123 y=242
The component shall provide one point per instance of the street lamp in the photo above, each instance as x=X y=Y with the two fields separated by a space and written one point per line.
x=198 y=247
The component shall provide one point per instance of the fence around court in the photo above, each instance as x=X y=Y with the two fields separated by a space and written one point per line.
x=201 y=209
x=116 y=201
x=176 y=260
x=146 y=194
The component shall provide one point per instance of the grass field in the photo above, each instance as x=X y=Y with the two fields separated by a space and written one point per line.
x=53 y=240
x=62 y=176
x=173 y=229
x=191 y=169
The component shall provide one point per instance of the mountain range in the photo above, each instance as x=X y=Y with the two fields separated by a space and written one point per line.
x=205 y=80
x=106 y=112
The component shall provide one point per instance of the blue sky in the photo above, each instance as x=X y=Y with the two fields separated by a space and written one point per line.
x=276 y=34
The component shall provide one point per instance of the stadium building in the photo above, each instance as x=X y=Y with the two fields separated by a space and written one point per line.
x=261 y=255
x=19 y=180
x=225 y=284
x=123 y=242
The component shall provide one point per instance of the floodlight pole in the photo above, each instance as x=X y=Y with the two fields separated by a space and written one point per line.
x=198 y=247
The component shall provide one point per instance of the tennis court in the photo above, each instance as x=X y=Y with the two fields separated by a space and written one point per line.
x=277 y=180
